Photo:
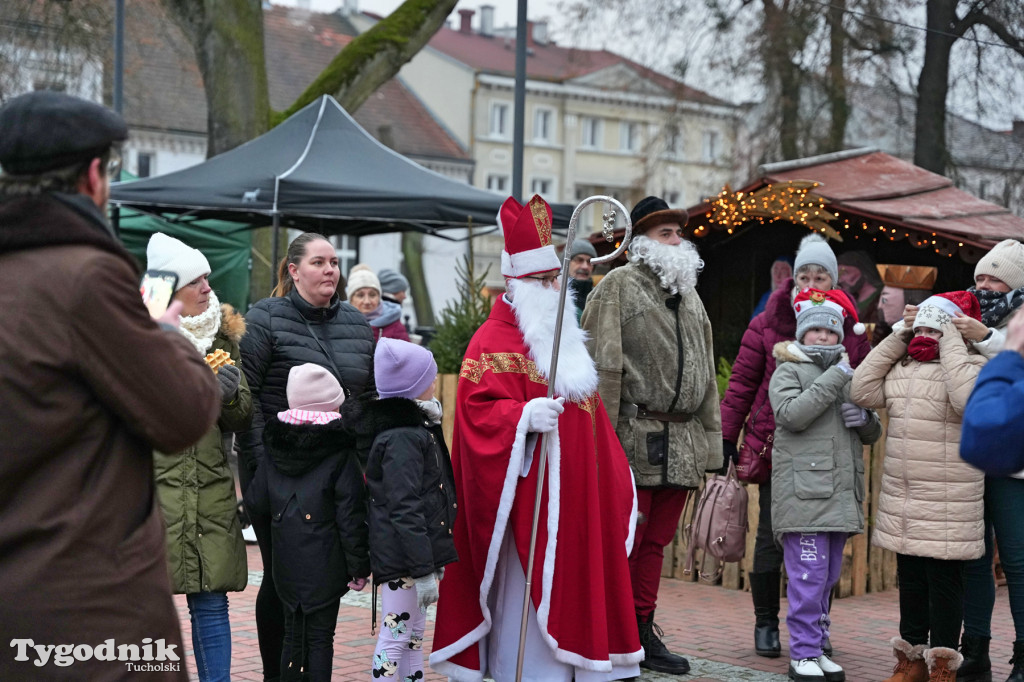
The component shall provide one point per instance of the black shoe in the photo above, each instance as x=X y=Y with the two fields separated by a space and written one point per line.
x=1017 y=674
x=764 y=590
x=977 y=667
x=826 y=647
x=656 y=656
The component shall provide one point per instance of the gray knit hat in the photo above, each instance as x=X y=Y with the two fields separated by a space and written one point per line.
x=392 y=282
x=814 y=250
x=582 y=246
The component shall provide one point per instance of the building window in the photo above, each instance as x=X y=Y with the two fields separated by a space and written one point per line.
x=497 y=183
x=500 y=119
x=541 y=186
x=982 y=189
x=542 y=125
x=710 y=150
x=672 y=198
x=673 y=141
x=346 y=246
x=629 y=136
x=144 y=165
x=591 y=132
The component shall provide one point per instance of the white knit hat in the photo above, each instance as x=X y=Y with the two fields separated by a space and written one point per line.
x=814 y=250
x=174 y=255
x=1004 y=262
x=360 y=277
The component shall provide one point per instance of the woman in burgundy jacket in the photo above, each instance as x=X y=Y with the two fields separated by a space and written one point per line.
x=746 y=407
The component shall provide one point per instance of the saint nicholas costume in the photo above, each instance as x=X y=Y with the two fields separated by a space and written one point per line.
x=581 y=622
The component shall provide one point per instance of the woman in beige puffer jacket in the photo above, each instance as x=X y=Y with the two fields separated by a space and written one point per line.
x=930 y=509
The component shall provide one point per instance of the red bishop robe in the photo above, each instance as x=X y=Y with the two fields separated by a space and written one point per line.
x=581 y=586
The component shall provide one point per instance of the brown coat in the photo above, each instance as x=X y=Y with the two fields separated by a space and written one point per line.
x=89 y=386
x=931 y=502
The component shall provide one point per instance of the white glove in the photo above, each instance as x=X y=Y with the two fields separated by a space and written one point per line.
x=439 y=574
x=544 y=414
x=845 y=366
x=854 y=416
x=426 y=591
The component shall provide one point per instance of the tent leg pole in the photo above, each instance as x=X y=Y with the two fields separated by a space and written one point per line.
x=276 y=249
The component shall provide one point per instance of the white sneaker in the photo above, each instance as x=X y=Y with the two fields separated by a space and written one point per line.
x=806 y=670
x=833 y=672
x=248 y=534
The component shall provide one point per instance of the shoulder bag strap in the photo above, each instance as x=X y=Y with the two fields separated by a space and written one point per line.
x=330 y=358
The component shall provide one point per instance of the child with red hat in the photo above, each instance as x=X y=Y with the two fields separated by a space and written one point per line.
x=930 y=510
x=817 y=471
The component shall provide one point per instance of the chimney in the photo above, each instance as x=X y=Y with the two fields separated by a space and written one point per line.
x=487 y=20
x=1018 y=130
x=350 y=8
x=540 y=32
x=466 y=20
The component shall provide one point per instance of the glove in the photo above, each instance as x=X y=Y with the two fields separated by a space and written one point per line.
x=426 y=591
x=357 y=584
x=439 y=574
x=730 y=452
x=854 y=416
x=228 y=376
x=544 y=414
x=844 y=365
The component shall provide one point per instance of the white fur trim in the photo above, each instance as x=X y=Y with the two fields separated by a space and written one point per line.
x=542 y=259
x=954 y=657
x=632 y=516
x=795 y=350
x=859 y=328
x=454 y=672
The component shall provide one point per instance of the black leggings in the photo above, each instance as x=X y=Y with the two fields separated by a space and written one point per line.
x=269 y=610
x=767 y=553
x=931 y=600
x=309 y=645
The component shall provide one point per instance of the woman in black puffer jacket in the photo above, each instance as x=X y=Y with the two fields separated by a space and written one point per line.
x=303 y=322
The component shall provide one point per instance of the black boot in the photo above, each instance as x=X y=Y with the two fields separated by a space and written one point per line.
x=764 y=589
x=976 y=666
x=656 y=656
x=1017 y=674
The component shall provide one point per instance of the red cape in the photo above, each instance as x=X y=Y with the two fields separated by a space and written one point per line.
x=581 y=579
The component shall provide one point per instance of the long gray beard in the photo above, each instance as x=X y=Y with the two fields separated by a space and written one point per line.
x=676 y=266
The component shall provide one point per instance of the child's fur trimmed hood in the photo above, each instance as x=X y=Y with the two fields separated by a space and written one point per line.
x=371 y=417
x=296 y=448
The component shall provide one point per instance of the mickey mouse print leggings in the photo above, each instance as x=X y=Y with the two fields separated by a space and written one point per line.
x=399 y=653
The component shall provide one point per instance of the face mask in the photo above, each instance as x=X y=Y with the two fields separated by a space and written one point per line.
x=923 y=348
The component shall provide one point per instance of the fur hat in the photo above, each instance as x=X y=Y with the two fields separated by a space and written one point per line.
x=174 y=255
x=939 y=309
x=402 y=369
x=527 y=230
x=313 y=388
x=824 y=310
x=361 y=277
x=582 y=246
x=652 y=211
x=392 y=282
x=1005 y=262
x=814 y=250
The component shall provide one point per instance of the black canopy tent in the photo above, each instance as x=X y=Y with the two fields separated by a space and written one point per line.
x=318 y=171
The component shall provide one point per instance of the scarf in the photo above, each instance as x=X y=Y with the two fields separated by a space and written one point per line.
x=201 y=329
x=823 y=356
x=431 y=408
x=923 y=348
x=997 y=305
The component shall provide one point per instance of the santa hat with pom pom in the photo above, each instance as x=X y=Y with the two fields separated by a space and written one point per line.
x=941 y=308
x=824 y=310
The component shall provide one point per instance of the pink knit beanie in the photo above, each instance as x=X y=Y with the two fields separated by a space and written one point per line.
x=313 y=388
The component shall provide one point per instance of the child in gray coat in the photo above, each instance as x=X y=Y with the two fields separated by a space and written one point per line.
x=818 y=471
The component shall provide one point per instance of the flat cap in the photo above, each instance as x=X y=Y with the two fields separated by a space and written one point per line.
x=45 y=130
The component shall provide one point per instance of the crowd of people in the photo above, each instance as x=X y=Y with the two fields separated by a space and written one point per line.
x=116 y=489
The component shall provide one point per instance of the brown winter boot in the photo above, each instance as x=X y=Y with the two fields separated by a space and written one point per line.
x=910 y=665
x=942 y=663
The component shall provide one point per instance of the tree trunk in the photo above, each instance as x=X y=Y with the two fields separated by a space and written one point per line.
x=412 y=250
x=838 y=103
x=930 y=150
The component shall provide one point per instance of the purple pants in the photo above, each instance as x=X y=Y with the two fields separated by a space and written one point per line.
x=813 y=562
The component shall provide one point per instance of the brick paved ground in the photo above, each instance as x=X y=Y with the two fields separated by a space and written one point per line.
x=710 y=625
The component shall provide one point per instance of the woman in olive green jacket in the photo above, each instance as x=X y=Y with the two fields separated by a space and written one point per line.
x=196 y=487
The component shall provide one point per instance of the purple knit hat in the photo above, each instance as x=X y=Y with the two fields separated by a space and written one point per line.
x=313 y=388
x=402 y=369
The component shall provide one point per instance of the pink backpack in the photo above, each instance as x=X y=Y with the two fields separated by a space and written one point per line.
x=719 y=525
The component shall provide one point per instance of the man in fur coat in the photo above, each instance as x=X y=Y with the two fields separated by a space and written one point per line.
x=579 y=622
x=651 y=339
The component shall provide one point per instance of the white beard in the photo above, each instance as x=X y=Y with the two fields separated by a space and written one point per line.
x=676 y=266
x=536 y=309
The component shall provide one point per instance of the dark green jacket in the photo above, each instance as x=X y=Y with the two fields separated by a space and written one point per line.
x=205 y=550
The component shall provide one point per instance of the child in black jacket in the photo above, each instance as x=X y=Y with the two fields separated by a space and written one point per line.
x=412 y=502
x=311 y=486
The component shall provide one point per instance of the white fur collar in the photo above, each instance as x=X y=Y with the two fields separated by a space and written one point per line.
x=536 y=309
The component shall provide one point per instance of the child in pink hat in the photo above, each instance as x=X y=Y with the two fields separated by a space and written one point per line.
x=412 y=500
x=311 y=485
